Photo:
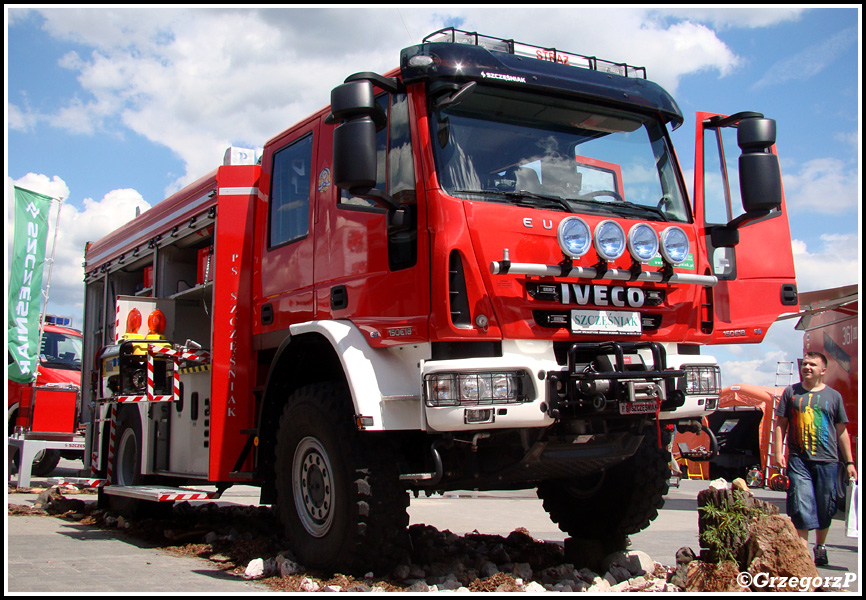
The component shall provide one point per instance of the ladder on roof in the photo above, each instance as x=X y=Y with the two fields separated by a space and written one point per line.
x=784 y=378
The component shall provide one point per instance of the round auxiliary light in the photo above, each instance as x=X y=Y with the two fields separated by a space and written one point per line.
x=675 y=245
x=643 y=243
x=609 y=240
x=574 y=237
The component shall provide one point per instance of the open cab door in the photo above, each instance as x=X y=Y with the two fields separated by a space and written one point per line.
x=740 y=206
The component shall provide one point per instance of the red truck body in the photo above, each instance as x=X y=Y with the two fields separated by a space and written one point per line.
x=481 y=270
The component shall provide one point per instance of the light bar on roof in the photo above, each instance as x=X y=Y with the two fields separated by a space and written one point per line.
x=457 y=36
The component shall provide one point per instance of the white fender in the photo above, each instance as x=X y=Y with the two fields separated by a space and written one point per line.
x=385 y=382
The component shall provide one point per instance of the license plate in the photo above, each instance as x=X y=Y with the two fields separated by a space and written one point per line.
x=605 y=322
x=637 y=408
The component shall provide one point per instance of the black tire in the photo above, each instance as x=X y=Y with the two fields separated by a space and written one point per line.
x=127 y=469
x=45 y=462
x=338 y=492
x=623 y=500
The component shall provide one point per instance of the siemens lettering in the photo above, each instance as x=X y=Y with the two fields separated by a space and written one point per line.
x=602 y=295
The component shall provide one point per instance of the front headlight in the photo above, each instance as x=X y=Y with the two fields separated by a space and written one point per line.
x=574 y=237
x=703 y=379
x=675 y=245
x=469 y=389
x=609 y=240
x=643 y=243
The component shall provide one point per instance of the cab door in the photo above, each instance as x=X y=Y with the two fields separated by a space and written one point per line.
x=749 y=250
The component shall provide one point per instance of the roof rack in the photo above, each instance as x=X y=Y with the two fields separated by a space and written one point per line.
x=458 y=36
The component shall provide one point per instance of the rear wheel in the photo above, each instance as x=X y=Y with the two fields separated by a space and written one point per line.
x=609 y=506
x=338 y=492
x=127 y=469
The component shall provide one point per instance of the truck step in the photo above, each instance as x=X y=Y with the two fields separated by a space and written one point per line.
x=157 y=493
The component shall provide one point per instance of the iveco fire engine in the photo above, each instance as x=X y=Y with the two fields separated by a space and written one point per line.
x=480 y=271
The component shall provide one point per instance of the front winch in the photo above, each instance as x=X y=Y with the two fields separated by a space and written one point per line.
x=610 y=376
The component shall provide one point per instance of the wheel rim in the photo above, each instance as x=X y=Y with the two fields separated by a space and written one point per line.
x=312 y=487
x=126 y=458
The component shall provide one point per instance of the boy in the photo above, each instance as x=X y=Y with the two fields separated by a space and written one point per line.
x=813 y=416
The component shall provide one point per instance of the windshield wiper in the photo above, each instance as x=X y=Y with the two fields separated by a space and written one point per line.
x=524 y=198
x=619 y=207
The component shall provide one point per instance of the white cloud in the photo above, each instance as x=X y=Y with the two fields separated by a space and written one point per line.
x=727 y=18
x=822 y=185
x=76 y=227
x=197 y=80
x=835 y=263
x=810 y=61
x=758 y=364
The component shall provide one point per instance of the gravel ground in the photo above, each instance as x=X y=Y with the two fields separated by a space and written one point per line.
x=241 y=540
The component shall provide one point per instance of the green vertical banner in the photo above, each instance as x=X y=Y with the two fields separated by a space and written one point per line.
x=25 y=283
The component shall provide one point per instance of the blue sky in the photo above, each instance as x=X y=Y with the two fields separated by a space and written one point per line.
x=115 y=108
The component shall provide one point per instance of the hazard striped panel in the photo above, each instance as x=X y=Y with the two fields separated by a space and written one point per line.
x=78 y=481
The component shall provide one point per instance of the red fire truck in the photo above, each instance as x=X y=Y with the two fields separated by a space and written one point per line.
x=478 y=271
x=46 y=412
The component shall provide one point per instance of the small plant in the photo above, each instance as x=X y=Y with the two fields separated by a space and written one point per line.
x=726 y=526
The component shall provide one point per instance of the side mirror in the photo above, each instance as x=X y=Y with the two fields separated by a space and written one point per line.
x=354 y=107
x=760 y=177
x=355 y=154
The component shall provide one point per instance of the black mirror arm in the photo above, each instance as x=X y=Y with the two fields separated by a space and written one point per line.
x=378 y=195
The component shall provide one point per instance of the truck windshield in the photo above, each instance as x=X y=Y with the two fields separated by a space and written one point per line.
x=60 y=351
x=557 y=154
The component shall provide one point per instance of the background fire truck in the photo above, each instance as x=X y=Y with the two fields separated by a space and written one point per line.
x=49 y=408
x=481 y=270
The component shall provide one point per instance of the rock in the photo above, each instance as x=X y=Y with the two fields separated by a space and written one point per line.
x=522 y=570
x=617 y=574
x=599 y=586
x=740 y=484
x=220 y=558
x=450 y=583
x=775 y=549
x=308 y=585
x=255 y=569
x=635 y=561
x=287 y=567
x=55 y=503
x=534 y=588
x=401 y=572
x=707 y=577
x=556 y=574
x=685 y=555
x=586 y=575
x=419 y=586
x=499 y=554
x=488 y=569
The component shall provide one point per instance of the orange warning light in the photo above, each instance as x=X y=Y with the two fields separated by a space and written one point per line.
x=133 y=321
x=156 y=323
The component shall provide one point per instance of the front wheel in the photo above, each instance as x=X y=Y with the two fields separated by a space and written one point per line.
x=618 y=502
x=338 y=491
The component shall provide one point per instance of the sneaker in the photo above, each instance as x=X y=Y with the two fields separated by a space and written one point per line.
x=820 y=556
